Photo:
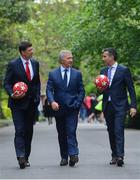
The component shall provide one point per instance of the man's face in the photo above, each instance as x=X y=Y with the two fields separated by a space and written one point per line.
x=67 y=60
x=27 y=54
x=107 y=58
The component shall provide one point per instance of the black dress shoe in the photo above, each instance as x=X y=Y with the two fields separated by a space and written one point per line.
x=63 y=162
x=22 y=162
x=73 y=159
x=120 y=161
x=113 y=161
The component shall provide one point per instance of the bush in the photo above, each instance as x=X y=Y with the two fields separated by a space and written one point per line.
x=5 y=109
x=90 y=88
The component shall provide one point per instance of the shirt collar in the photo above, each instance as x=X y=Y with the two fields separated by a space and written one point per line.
x=24 y=60
x=63 y=68
x=114 y=65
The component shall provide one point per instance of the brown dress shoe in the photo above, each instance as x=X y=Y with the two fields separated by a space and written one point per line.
x=73 y=159
x=113 y=161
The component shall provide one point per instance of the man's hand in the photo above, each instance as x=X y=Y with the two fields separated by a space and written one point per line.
x=133 y=112
x=19 y=96
x=55 y=106
x=100 y=91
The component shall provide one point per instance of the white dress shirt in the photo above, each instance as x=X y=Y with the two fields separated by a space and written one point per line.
x=63 y=72
x=30 y=66
x=113 y=70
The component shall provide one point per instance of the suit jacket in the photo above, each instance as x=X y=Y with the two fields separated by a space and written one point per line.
x=70 y=97
x=121 y=83
x=16 y=73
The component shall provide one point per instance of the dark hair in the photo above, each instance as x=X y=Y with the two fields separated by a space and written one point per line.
x=24 y=45
x=111 y=52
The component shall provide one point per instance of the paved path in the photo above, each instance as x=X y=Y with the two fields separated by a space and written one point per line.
x=94 y=155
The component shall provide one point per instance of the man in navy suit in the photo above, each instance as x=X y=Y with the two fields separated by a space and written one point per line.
x=115 y=102
x=65 y=93
x=23 y=106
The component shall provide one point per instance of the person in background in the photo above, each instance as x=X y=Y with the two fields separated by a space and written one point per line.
x=92 y=115
x=83 y=113
x=98 y=109
x=88 y=105
x=48 y=112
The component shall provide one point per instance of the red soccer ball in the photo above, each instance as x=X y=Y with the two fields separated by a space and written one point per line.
x=102 y=82
x=20 y=88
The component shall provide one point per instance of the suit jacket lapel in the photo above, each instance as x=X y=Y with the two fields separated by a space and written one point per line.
x=33 y=67
x=106 y=71
x=116 y=72
x=71 y=76
x=21 y=68
x=59 y=75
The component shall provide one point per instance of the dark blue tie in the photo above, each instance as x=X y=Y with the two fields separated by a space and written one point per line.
x=65 y=78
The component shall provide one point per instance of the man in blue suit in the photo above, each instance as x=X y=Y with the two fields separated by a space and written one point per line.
x=23 y=106
x=65 y=93
x=115 y=102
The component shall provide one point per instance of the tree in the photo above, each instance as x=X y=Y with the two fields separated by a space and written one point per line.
x=12 y=12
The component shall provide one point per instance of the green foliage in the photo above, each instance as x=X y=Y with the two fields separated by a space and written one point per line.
x=90 y=88
x=6 y=110
x=14 y=11
x=85 y=27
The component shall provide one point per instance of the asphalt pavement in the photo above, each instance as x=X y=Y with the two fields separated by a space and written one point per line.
x=94 y=155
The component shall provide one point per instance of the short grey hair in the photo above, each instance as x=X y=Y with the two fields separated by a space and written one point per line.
x=62 y=54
